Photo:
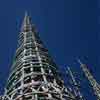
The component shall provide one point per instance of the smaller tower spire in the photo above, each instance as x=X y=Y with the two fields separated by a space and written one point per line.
x=76 y=88
x=91 y=79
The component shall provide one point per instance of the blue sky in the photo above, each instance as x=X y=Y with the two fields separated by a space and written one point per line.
x=69 y=29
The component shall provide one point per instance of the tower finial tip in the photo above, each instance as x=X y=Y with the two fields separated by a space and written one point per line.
x=27 y=24
x=79 y=61
x=26 y=13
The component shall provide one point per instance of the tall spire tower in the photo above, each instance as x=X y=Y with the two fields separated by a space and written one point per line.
x=34 y=75
x=93 y=82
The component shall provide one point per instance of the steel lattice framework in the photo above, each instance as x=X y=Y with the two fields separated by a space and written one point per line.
x=34 y=75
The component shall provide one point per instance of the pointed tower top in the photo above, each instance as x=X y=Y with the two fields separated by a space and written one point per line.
x=26 y=13
x=26 y=25
x=27 y=20
x=79 y=61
